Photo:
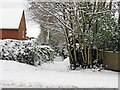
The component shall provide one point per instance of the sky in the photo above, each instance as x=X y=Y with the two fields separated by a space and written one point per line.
x=33 y=28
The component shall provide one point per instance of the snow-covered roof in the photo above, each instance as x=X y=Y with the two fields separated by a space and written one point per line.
x=10 y=18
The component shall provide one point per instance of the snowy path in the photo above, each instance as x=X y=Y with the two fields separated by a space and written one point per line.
x=14 y=74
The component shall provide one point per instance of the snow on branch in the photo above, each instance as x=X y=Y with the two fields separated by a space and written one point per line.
x=56 y=18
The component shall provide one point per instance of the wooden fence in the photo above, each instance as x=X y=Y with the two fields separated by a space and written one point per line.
x=112 y=60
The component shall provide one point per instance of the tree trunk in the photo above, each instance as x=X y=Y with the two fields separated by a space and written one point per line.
x=74 y=46
x=81 y=47
x=119 y=19
x=89 y=56
x=67 y=40
x=110 y=5
x=85 y=53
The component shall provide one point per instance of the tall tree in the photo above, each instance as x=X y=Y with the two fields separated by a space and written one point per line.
x=87 y=24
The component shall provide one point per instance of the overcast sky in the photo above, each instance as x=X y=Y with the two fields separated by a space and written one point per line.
x=33 y=29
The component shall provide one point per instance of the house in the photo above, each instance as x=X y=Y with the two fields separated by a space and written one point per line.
x=12 y=24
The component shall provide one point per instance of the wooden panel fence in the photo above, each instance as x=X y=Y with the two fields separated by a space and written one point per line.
x=112 y=60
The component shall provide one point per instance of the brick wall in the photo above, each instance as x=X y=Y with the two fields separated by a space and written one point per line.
x=22 y=28
x=8 y=34
x=0 y=34
x=19 y=34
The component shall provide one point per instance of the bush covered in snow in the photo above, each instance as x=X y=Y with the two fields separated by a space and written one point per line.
x=25 y=52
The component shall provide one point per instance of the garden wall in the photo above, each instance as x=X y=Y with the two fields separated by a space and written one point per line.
x=112 y=60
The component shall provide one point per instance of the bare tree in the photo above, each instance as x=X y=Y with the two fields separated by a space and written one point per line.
x=81 y=23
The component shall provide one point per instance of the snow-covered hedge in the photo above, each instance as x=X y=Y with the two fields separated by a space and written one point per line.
x=25 y=52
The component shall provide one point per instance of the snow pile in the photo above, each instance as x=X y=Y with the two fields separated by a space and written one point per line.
x=66 y=61
x=58 y=65
x=25 y=52
x=20 y=75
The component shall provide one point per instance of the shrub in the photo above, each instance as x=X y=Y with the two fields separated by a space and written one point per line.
x=25 y=52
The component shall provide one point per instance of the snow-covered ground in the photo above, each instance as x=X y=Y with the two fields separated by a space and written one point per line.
x=53 y=75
